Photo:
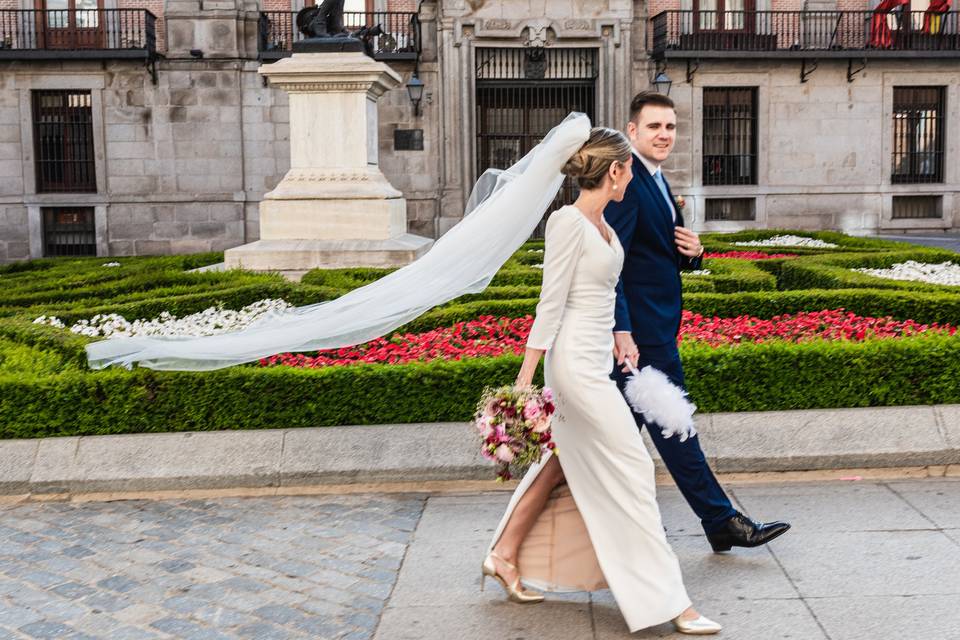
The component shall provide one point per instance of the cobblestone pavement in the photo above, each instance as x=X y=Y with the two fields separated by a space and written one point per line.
x=866 y=560
x=290 y=567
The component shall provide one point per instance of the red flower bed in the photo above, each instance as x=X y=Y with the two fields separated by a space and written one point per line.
x=490 y=336
x=748 y=255
x=829 y=325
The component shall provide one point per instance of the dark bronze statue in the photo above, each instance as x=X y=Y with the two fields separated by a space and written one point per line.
x=323 y=30
x=322 y=21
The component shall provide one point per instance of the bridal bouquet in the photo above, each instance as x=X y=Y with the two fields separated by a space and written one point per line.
x=514 y=424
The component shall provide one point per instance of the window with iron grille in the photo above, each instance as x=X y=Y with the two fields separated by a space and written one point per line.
x=69 y=231
x=918 y=133
x=917 y=207
x=63 y=141
x=730 y=209
x=730 y=135
x=522 y=94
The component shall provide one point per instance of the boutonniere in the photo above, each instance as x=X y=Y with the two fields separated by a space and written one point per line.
x=679 y=203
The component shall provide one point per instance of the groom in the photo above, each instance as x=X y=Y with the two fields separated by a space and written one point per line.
x=657 y=247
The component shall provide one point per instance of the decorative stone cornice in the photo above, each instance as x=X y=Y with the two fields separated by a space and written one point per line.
x=535 y=32
x=326 y=175
x=331 y=72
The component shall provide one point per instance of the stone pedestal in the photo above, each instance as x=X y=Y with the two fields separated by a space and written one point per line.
x=334 y=208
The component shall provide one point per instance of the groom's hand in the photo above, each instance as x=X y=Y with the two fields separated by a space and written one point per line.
x=688 y=242
x=624 y=349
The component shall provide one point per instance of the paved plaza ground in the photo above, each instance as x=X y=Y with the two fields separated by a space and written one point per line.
x=871 y=560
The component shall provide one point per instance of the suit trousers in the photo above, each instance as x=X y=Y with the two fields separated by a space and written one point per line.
x=684 y=460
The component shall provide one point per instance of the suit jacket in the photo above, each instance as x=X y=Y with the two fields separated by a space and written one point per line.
x=649 y=291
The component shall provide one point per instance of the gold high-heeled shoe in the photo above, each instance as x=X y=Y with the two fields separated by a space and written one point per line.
x=515 y=593
x=701 y=626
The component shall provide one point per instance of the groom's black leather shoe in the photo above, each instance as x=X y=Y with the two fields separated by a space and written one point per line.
x=741 y=531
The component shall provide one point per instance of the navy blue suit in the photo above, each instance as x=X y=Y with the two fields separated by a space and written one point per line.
x=649 y=306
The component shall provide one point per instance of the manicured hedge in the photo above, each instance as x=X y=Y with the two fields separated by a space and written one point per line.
x=729 y=275
x=834 y=272
x=46 y=388
x=759 y=377
x=720 y=242
x=924 y=307
x=187 y=303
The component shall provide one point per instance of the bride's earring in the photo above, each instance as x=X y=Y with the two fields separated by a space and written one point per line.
x=614 y=186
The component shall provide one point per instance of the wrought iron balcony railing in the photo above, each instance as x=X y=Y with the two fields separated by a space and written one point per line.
x=77 y=33
x=814 y=34
x=400 y=39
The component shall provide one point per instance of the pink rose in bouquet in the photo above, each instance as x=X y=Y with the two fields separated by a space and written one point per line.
x=514 y=426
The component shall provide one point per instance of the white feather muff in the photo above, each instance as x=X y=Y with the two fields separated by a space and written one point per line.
x=650 y=393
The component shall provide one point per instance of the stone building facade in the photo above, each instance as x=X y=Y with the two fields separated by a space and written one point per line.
x=778 y=127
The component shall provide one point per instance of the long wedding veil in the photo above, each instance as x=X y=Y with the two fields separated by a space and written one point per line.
x=503 y=210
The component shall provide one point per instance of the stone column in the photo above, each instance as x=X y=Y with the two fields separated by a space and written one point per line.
x=334 y=207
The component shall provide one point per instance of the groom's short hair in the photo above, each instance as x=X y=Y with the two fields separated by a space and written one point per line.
x=644 y=98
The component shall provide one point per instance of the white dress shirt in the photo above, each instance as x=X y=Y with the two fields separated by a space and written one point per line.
x=653 y=168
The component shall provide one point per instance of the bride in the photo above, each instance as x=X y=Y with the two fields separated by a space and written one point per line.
x=603 y=528
x=610 y=533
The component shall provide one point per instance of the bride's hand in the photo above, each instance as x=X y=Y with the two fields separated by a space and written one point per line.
x=522 y=382
x=625 y=350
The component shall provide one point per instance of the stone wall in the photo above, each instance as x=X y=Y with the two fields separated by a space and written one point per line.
x=182 y=165
x=824 y=146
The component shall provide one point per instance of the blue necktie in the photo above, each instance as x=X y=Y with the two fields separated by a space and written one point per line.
x=658 y=178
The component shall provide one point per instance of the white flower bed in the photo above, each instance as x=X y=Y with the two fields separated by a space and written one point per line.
x=940 y=273
x=110 y=264
x=696 y=272
x=208 y=322
x=788 y=241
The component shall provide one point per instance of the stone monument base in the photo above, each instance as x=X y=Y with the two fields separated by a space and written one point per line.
x=293 y=258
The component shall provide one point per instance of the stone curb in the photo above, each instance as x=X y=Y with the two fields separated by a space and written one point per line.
x=734 y=442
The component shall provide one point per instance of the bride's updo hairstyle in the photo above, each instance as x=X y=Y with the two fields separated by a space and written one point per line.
x=591 y=162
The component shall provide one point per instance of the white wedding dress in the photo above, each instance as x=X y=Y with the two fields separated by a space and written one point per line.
x=610 y=532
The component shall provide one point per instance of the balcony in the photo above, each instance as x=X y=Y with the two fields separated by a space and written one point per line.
x=805 y=34
x=400 y=39
x=87 y=34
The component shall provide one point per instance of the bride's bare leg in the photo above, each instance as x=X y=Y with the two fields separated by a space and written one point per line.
x=524 y=516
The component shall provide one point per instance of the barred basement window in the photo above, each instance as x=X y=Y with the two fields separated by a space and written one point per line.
x=918 y=133
x=730 y=209
x=730 y=135
x=917 y=207
x=63 y=141
x=69 y=231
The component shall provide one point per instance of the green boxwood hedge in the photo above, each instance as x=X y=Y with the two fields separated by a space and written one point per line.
x=46 y=388
x=835 y=272
x=720 y=242
x=758 y=377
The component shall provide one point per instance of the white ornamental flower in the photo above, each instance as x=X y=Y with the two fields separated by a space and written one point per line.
x=946 y=273
x=788 y=241
x=210 y=321
x=111 y=264
x=696 y=272
x=537 y=266
x=50 y=320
